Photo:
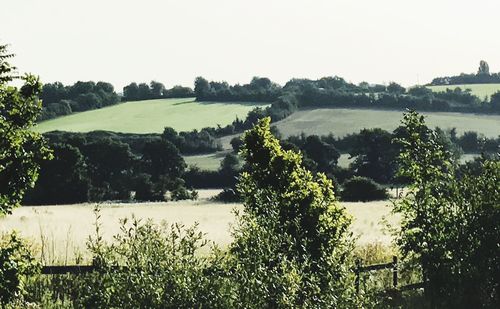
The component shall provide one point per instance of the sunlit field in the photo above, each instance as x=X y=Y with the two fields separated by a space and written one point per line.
x=151 y=116
x=480 y=90
x=64 y=230
x=341 y=121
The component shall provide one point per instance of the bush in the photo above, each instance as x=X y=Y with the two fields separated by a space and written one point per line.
x=16 y=264
x=362 y=189
x=160 y=267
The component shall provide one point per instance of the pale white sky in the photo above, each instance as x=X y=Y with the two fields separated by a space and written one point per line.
x=173 y=41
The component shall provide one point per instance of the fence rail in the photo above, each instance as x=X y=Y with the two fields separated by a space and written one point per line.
x=82 y=269
x=392 y=266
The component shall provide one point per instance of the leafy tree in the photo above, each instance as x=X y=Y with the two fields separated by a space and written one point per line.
x=131 y=92
x=374 y=155
x=396 y=88
x=109 y=163
x=21 y=149
x=63 y=180
x=450 y=221
x=292 y=245
x=325 y=155
x=201 y=88
x=162 y=158
x=495 y=102
x=484 y=68
x=157 y=89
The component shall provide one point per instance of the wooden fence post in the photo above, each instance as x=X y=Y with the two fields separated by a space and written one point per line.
x=395 y=271
x=358 y=274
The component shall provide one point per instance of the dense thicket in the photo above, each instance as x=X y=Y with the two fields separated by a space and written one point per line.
x=60 y=100
x=483 y=76
x=188 y=143
x=101 y=166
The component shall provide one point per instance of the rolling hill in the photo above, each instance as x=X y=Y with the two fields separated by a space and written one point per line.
x=151 y=116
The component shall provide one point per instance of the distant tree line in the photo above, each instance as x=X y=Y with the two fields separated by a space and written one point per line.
x=258 y=90
x=155 y=90
x=483 y=76
x=60 y=100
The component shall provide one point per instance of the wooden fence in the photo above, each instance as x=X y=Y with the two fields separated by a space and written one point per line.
x=392 y=266
x=81 y=269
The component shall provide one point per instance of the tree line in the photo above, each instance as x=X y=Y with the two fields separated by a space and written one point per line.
x=60 y=100
x=483 y=76
x=372 y=152
x=98 y=167
x=155 y=90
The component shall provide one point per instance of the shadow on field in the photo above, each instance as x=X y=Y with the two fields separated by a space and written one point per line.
x=184 y=102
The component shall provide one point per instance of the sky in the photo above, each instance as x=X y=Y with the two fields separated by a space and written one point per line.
x=174 y=41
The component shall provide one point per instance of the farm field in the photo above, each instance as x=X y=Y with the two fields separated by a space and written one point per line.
x=343 y=121
x=66 y=228
x=151 y=116
x=480 y=90
x=209 y=162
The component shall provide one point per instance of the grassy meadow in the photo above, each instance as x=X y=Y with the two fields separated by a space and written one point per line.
x=150 y=116
x=480 y=90
x=342 y=121
x=64 y=229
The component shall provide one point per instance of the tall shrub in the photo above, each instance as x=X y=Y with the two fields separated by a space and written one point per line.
x=291 y=244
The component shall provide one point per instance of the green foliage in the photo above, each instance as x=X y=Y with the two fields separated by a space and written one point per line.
x=292 y=245
x=21 y=150
x=450 y=220
x=363 y=189
x=16 y=264
x=153 y=266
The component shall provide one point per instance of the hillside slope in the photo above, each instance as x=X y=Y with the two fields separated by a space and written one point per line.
x=151 y=116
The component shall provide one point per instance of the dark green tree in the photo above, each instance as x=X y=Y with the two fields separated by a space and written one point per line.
x=374 y=155
x=63 y=180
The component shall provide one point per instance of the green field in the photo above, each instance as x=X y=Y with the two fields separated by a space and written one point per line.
x=210 y=162
x=63 y=230
x=343 y=121
x=150 y=116
x=480 y=90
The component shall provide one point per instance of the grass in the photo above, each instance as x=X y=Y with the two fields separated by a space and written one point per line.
x=480 y=90
x=210 y=162
x=151 y=116
x=341 y=121
x=63 y=230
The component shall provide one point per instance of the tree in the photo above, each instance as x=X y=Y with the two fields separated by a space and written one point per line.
x=325 y=155
x=292 y=244
x=495 y=102
x=21 y=149
x=396 y=88
x=157 y=89
x=449 y=222
x=374 y=155
x=484 y=68
x=162 y=158
x=131 y=92
x=201 y=88
x=63 y=180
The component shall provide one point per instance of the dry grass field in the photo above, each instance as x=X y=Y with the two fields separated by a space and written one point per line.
x=64 y=229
